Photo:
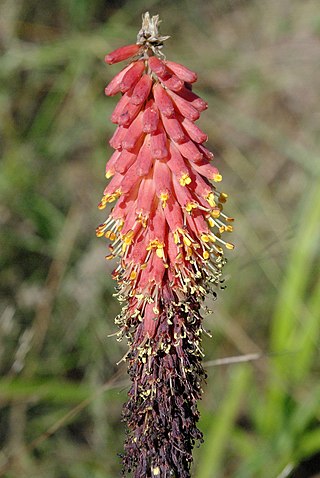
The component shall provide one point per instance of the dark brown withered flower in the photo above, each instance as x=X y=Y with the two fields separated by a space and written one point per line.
x=166 y=229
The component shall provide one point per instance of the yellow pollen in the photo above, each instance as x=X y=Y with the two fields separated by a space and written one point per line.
x=215 y=213
x=120 y=226
x=109 y=174
x=164 y=198
x=189 y=252
x=176 y=237
x=159 y=252
x=223 y=197
x=109 y=198
x=156 y=471
x=100 y=230
x=205 y=238
x=217 y=178
x=187 y=241
x=210 y=199
x=229 y=245
x=133 y=275
x=102 y=205
x=185 y=179
x=142 y=218
x=127 y=238
x=205 y=255
x=153 y=243
x=191 y=205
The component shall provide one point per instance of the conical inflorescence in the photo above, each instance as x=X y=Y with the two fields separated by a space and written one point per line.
x=166 y=229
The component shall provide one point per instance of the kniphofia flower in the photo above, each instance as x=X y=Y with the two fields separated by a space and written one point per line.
x=167 y=230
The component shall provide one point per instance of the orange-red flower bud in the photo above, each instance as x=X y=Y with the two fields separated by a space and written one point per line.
x=122 y=53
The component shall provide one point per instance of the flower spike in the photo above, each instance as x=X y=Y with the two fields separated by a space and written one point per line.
x=167 y=230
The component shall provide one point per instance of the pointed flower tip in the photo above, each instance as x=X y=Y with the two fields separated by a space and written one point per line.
x=122 y=53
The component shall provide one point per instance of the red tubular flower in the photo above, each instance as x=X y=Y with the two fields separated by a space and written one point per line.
x=166 y=229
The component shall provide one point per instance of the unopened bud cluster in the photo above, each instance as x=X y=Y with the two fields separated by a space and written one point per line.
x=167 y=231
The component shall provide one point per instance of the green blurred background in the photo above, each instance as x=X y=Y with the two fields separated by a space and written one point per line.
x=61 y=391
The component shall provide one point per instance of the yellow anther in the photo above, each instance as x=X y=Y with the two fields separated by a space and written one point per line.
x=185 y=179
x=114 y=196
x=190 y=205
x=159 y=247
x=229 y=245
x=109 y=257
x=223 y=197
x=210 y=199
x=100 y=230
x=127 y=238
x=187 y=241
x=212 y=237
x=205 y=238
x=189 y=252
x=222 y=229
x=143 y=266
x=142 y=218
x=156 y=471
x=176 y=237
x=159 y=252
x=164 y=198
x=215 y=213
x=210 y=221
x=112 y=236
x=101 y=205
x=109 y=174
x=206 y=255
x=229 y=228
x=133 y=275
x=217 y=178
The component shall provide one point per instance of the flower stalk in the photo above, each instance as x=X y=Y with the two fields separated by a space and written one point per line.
x=167 y=230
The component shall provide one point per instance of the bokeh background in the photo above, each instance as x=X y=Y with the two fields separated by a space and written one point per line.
x=61 y=391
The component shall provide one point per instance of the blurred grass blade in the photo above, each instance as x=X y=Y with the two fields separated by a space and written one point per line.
x=294 y=326
x=218 y=436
